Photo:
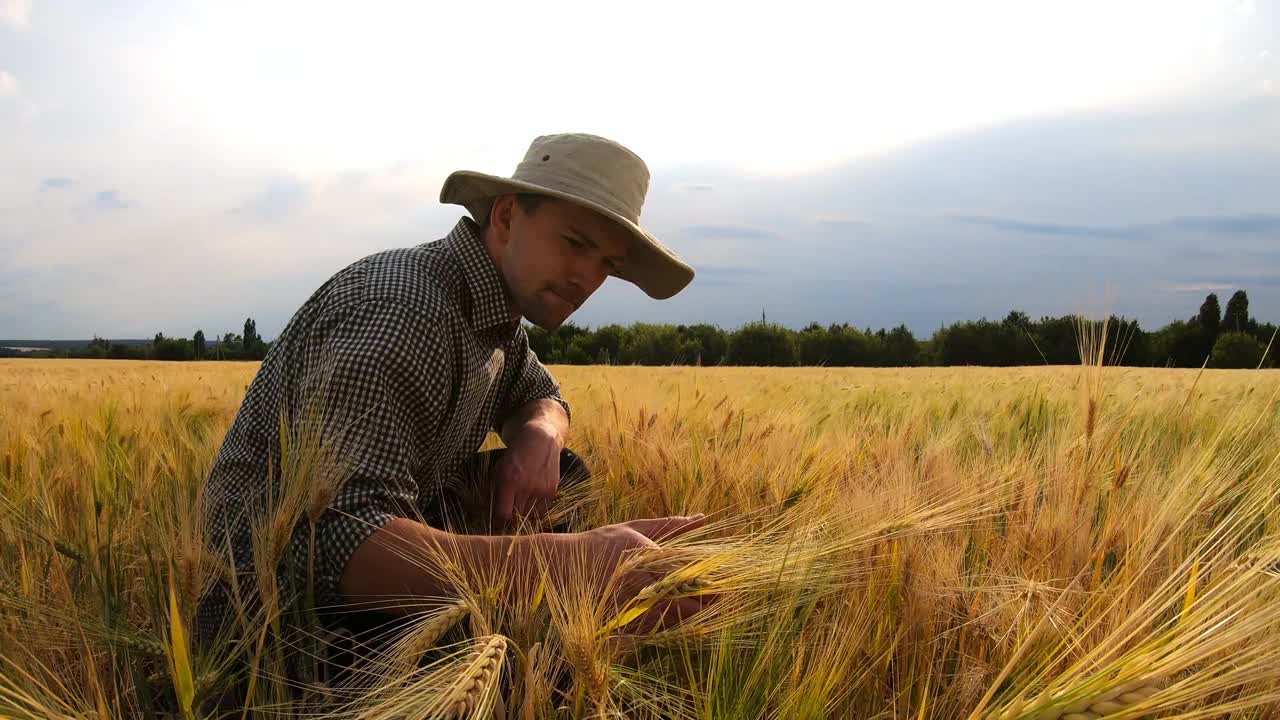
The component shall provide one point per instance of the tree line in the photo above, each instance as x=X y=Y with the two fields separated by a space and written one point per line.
x=247 y=345
x=1228 y=338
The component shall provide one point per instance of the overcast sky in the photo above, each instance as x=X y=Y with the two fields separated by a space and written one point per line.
x=171 y=165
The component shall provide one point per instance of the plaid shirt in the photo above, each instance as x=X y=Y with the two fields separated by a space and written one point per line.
x=414 y=356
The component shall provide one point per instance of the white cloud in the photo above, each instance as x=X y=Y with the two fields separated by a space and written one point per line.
x=769 y=91
x=27 y=109
x=16 y=14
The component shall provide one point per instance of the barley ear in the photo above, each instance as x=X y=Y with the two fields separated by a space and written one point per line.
x=407 y=652
x=473 y=692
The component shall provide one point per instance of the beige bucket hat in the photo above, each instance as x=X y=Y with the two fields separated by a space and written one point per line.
x=596 y=173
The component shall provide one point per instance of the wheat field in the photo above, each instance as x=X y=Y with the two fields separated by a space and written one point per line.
x=1053 y=542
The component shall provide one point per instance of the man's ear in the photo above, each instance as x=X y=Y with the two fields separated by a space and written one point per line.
x=500 y=217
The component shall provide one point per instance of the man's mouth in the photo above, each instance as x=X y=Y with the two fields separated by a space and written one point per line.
x=567 y=298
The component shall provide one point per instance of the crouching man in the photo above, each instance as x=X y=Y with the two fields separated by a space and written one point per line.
x=420 y=352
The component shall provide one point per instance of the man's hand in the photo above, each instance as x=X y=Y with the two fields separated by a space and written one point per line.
x=526 y=478
x=594 y=556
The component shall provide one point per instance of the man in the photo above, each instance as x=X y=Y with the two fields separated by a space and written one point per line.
x=401 y=364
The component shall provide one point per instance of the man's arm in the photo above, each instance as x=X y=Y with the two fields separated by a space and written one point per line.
x=541 y=416
x=406 y=566
x=375 y=380
x=527 y=477
x=534 y=427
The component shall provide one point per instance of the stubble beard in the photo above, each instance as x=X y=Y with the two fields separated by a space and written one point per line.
x=546 y=311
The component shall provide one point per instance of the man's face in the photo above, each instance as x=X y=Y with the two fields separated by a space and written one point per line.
x=554 y=258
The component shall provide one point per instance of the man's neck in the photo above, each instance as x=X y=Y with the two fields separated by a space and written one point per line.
x=495 y=257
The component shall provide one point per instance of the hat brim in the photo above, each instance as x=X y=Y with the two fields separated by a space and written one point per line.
x=650 y=266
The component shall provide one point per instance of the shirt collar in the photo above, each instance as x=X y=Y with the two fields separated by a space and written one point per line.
x=486 y=294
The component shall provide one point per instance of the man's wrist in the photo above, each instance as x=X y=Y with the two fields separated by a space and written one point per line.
x=537 y=430
x=538 y=420
x=533 y=555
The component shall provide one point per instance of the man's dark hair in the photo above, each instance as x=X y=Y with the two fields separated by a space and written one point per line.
x=528 y=202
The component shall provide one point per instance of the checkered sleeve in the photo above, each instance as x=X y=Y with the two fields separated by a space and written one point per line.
x=530 y=380
x=385 y=376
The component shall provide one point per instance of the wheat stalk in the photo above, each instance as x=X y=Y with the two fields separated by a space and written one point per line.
x=1111 y=702
x=475 y=685
x=534 y=688
x=592 y=673
x=145 y=646
x=670 y=586
x=407 y=651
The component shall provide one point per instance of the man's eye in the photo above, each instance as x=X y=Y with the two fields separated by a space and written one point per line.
x=572 y=242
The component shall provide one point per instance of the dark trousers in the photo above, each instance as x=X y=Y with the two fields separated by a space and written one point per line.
x=354 y=636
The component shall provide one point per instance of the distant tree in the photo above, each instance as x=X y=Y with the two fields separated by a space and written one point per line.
x=228 y=346
x=650 y=344
x=899 y=348
x=1236 y=318
x=983 y=343
x=250 y=336
x=1018 y=319
x=1236 y=350
x=553 y=346
x=1210 y=316
x=197 y=343
x=602 y=347
x=568 y=332
x=1130 y=344
x=252 y=346
x=1181 y=344
x=173 y=349
x=98 y=348
x=606 y=343
x=1058 y=339
x=1022 y=345
x=579 y=352
x=762 y=344
x=1264 y=333
x=811 y=344
x=712 y=343
x=120 y=351
x=158 y=339
x=838 y=345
